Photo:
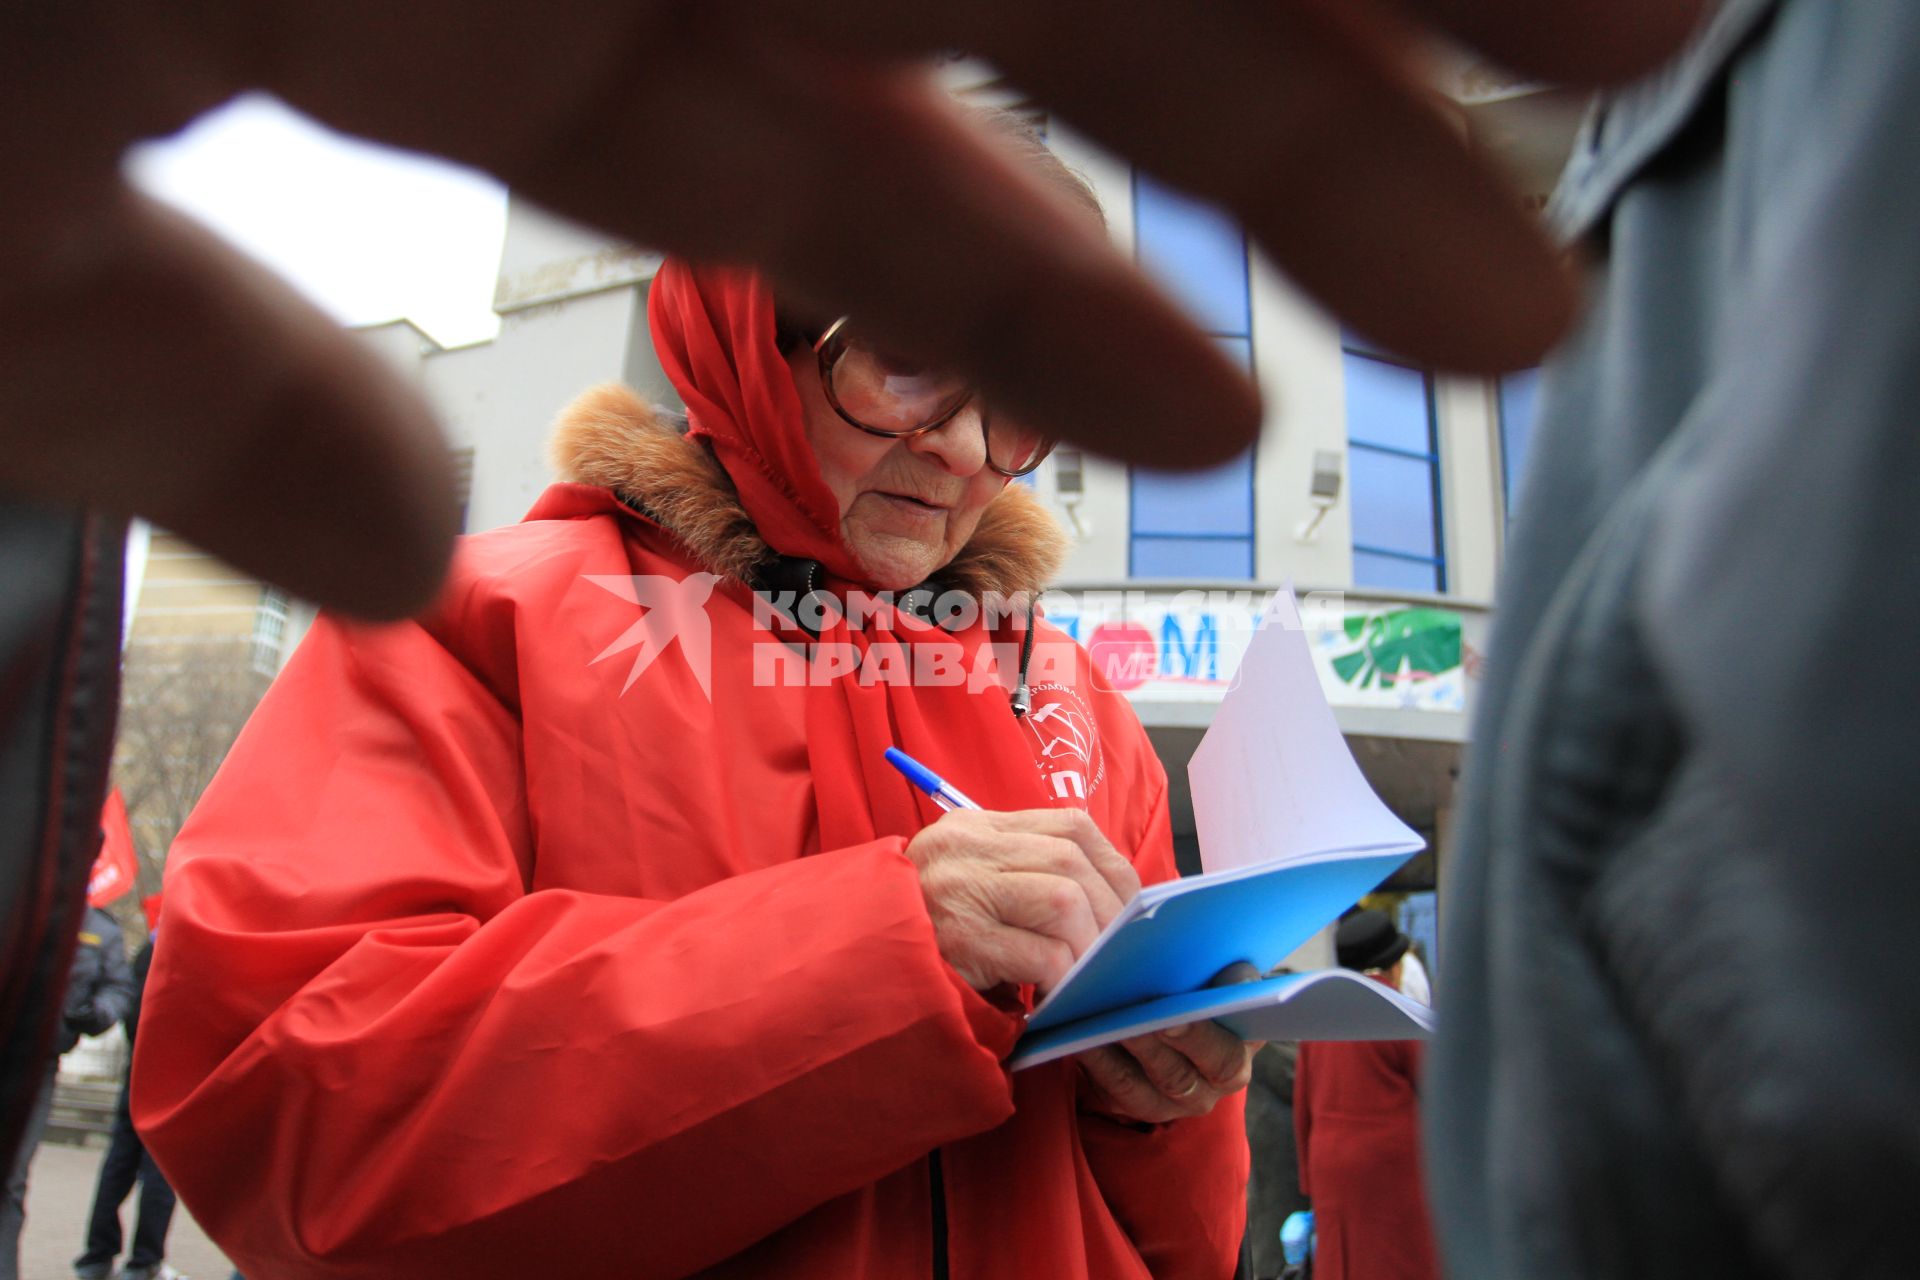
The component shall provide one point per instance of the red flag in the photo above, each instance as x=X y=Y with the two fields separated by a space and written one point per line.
x=114 y=870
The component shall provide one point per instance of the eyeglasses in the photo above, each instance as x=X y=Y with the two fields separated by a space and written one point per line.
x=887 y=396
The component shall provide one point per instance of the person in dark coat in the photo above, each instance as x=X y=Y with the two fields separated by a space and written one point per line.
x=125 y=1162
x=1357 y=1118
x=99 y=993
x=1273 y=1182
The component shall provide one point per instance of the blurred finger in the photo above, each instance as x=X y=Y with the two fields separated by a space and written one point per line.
x=1299 y=118
x=709 y=132
x=229 y=411
x=1581 y=42
x=1302 y=118
x=860 y=191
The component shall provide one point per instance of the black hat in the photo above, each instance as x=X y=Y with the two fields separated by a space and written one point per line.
x=1368 y=940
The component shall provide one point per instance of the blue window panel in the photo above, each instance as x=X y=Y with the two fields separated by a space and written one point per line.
x=1420 y=920
x=1238 y=350
x=1393 y=508
x=1197 y=252
x=1519 y=402
x=1218 y=500
x=1224 y=558
x=1388 y=404
x=1390 y=573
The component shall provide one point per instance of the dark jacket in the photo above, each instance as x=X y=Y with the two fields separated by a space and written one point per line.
x=1678 y=1039
x=142 y=965
x=59 y=689
x=1273 y=1183
x=99 y=985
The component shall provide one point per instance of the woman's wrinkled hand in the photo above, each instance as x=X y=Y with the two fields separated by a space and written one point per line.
x=1017 y=897
x=1169 y=1075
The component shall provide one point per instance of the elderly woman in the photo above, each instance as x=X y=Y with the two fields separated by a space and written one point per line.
x=581 y=926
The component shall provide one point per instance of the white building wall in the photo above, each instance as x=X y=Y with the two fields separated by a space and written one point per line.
x=547 y=258
x=1470 y=497
x=1100 y=545
x=501 y=398
x=1296 y=358
x=1100 y=555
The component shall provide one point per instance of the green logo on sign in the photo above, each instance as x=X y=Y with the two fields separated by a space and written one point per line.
x=1398 y=647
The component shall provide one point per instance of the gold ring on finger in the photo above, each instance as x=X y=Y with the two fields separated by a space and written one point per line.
x=1188 y=1091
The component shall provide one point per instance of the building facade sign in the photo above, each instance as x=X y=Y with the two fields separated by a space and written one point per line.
x=1186 y=645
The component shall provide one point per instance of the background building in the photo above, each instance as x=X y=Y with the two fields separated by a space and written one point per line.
x=202 y=642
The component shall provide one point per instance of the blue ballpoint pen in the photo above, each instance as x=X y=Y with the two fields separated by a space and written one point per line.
x=938 y=788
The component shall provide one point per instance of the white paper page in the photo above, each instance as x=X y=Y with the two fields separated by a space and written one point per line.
x=1273 y=779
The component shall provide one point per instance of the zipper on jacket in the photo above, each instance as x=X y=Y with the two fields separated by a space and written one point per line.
x=939 y=1188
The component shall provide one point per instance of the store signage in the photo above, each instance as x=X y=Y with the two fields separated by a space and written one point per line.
x=1186 y=645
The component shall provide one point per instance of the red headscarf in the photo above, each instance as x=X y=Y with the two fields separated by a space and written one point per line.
x=713 y=329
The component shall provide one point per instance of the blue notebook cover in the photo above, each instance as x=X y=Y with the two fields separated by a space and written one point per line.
x=1174 y=937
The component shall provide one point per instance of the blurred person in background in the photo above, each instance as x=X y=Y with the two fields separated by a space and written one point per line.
x=126 y=1162
x=1357 y=1119
x=98 y=993
x=1273 y=1180
x=1414 y=982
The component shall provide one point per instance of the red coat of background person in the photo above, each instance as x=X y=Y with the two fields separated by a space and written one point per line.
x=1356 y=1114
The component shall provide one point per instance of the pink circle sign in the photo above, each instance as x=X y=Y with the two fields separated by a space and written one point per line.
x=1124 y=653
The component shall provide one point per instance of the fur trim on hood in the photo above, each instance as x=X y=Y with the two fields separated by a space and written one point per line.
x=611 y=438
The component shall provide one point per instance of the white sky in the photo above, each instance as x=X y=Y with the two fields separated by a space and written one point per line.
x=369 y=233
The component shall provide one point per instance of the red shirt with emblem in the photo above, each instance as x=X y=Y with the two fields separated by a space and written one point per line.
x=514 y=941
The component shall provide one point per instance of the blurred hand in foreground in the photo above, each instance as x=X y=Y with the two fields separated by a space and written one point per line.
x=145 y=368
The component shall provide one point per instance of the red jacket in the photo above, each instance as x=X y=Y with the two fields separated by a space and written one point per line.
x=483 y=958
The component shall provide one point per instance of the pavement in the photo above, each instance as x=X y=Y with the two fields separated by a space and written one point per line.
x=59 y=1197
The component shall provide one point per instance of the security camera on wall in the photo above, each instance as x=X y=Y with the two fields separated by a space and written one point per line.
x=1323 y=492
x=1070 y=485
